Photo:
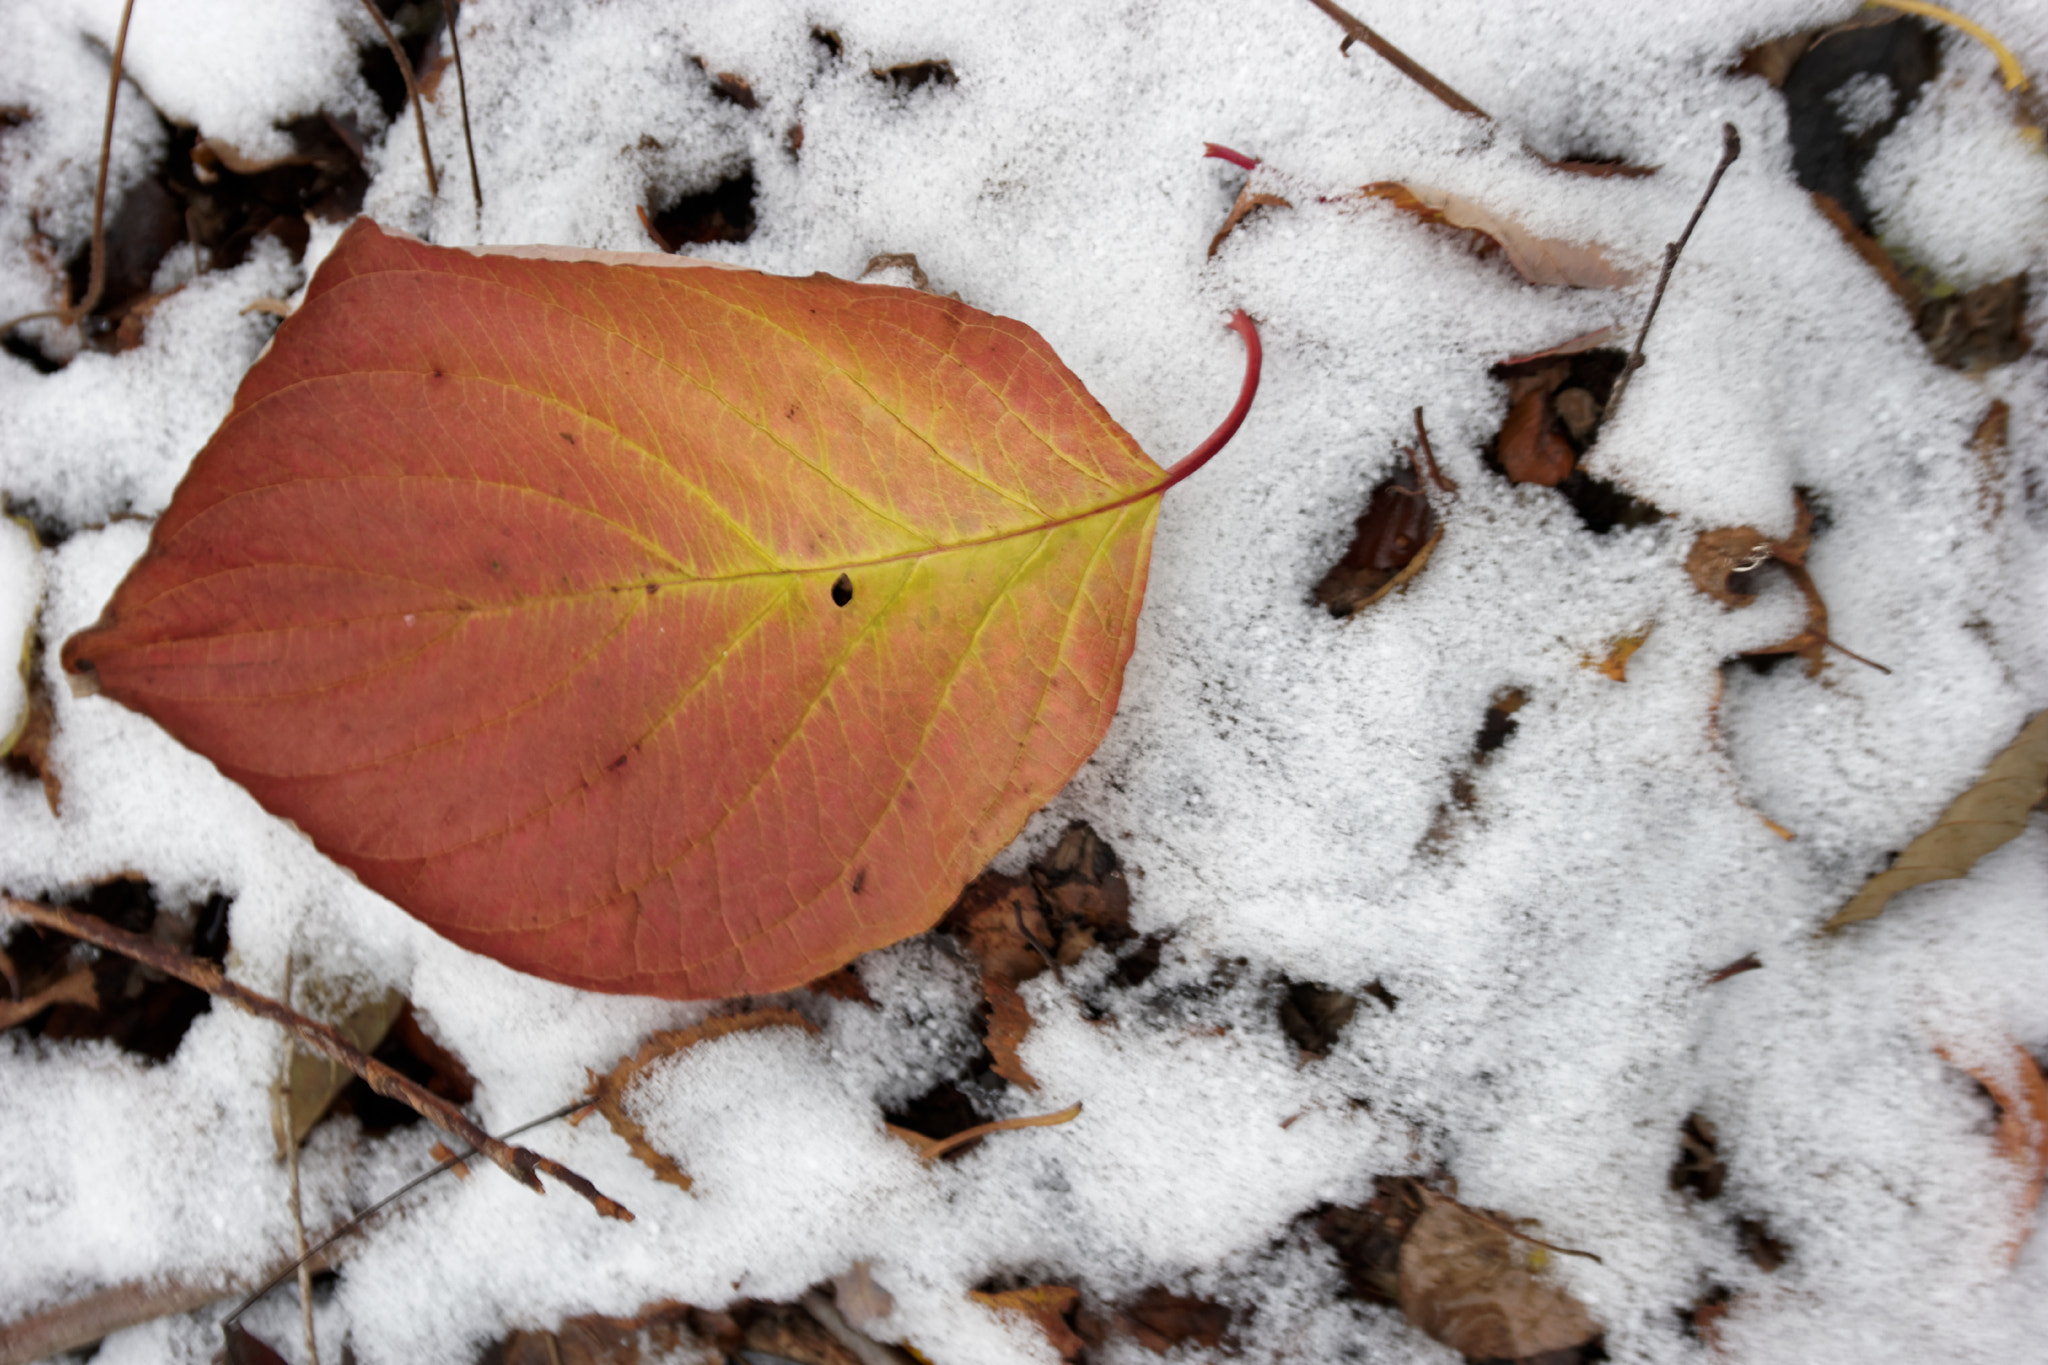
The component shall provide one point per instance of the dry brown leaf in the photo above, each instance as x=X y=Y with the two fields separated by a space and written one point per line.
x=2017 y=1087
x=1009 y=1022
x=441 y=1151
x=1993 y=811
x=314 y=1081
x=1619 y=652
x=1531 y=448
x=995 y=920
x=75 y=989
x=1046 y=1306
x=1539 y=260
x=1162 y=1321
x=1476 y=1289
x=608 y=1092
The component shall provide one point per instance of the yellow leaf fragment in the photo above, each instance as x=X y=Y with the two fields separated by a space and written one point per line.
x=1986 y=816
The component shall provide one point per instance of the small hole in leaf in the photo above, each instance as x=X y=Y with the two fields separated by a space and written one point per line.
x=842 y=590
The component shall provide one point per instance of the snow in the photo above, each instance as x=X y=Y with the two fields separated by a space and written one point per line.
x=1273 y=776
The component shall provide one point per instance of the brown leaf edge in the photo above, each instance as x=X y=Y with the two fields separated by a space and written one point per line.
x=2021 y=1094
x=1009 y=1022
x=1045 y=1306
x=608 y=1091
x=1991 y=813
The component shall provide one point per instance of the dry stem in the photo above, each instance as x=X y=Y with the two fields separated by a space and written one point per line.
x=1731 y=147
x=97 y=282
x=517 y=1162
x=412 y=92
x=476 y=186
x=1355 y=31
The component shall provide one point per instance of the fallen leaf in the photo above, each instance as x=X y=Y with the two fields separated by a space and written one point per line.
x=1477 y=1289
x=2016 y=1085
x=441 y=1151
x=608 y=1092
x=314 y=1080
x=1538 y=259
x=1992 y=812
x=1009 y=1021
x=1162 y=1320
x=663 y=630
x=1531 y=449
x=1391 y=543
x=1623 y=648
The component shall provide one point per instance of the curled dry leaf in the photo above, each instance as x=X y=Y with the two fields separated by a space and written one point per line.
x=1478 y=1290
x=652 y=629
x=2013 y=1079
x=1538 y=259
x=1991 y=813
x=1046 y=1307
x=931 y=1149
x=1391 y=543
x=608 y=1092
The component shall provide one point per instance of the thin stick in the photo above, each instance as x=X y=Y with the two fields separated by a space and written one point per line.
x=476 y=186
x=356 y=1223
x=1436 y=476
x=1731 y=147
x=291 y=1150
x=519 y=1163
x=1356 y=32
x=412 y=91
x=97 y=281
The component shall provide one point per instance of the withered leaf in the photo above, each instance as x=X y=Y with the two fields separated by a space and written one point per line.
x=1477 y=1290
x=2014 y=1081
x=1531 y=448
x=1009 y=1022
x=1046 y=1306
x=1162 y=1320
x=1992 y=812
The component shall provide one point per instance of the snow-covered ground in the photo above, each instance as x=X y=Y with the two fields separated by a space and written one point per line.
x=1278 y=782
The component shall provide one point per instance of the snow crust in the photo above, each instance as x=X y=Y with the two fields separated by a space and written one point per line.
x=1274 y=776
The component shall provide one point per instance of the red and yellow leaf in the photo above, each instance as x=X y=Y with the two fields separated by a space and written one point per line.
x=683 y=632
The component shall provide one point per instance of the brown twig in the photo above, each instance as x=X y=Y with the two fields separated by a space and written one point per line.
x=290 y=1130
x=476 y=186
x=319 y=1249
x=1356 y=32
x=97 y=281
x=1731 y=147
x=412 y=91
x=518 y=1162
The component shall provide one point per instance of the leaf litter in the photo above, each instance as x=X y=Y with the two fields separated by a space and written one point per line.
x=1274 y=890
